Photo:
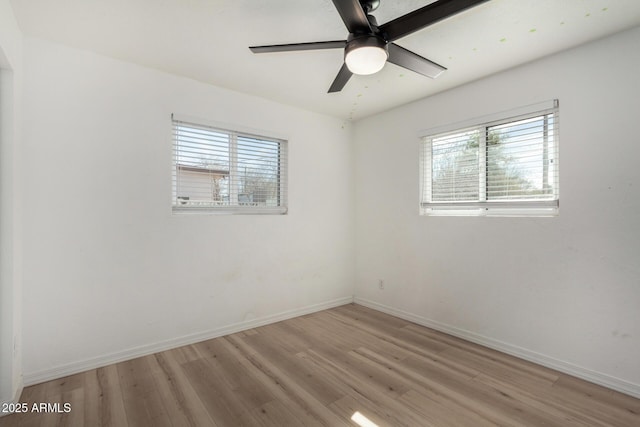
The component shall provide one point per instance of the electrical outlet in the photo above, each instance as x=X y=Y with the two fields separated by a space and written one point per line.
x=380 y=284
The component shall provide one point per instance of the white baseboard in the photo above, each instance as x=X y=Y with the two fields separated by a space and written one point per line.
x=16 y=399
x=523 y=353
x=32 y=378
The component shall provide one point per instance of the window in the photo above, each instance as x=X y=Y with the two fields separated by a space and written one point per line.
x=223 y=171
x=506 y=164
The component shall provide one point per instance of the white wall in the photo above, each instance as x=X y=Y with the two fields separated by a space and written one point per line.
x=564 y=291
x=10 y=218
x=108 y=270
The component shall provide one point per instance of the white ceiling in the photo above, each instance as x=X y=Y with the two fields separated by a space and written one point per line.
x=207 y=40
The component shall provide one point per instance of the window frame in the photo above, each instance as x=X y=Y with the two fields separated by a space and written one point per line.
x=482 y=206
x=234 y=132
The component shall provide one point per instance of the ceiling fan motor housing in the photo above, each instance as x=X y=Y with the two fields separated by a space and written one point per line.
x=365 y=54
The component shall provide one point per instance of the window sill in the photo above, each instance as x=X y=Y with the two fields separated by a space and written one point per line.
x=229 y=210
x=532 y=212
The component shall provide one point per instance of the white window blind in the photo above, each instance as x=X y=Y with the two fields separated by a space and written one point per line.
x=225 y=171
x=506 y=166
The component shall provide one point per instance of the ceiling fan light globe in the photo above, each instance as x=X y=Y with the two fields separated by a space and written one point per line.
x=366 y=60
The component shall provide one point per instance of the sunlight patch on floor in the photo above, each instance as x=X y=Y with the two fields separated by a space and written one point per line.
x=362 y=421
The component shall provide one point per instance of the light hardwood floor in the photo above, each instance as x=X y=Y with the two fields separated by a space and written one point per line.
x=318 y=370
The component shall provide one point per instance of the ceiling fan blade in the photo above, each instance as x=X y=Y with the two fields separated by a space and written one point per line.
x=414 y=62
x=427 y=15
x=353 y=15
x=336 y=44
x=341 y=79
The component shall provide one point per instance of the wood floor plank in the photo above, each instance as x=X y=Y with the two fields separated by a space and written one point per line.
x=542 y=401
x=494 y=368
x=359 y=375
x=299 y=401
x=187 y=353
x=413 y=353
x=112 y=410
x=478 y=350
x=592 y=400
x=326 y=332
x=183 y=405
x=63 y=385
x=142 y=403
x=93 y=397
x=217 y=397
x=30 y=395
x=592 y=392
x=374 y=396
x=486 y=402
x=400 y=338
x=349 y=405
x=75 y=398
x=304 y=374
x=273 y=413
x=288 y=337
x=245 y=389
x=318 y=370
x=457 y=393
x=440 y=413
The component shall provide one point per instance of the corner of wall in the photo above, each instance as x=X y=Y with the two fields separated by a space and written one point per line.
x=10 y=225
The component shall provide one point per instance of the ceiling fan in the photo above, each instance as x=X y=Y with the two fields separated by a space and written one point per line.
x=369 y=45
